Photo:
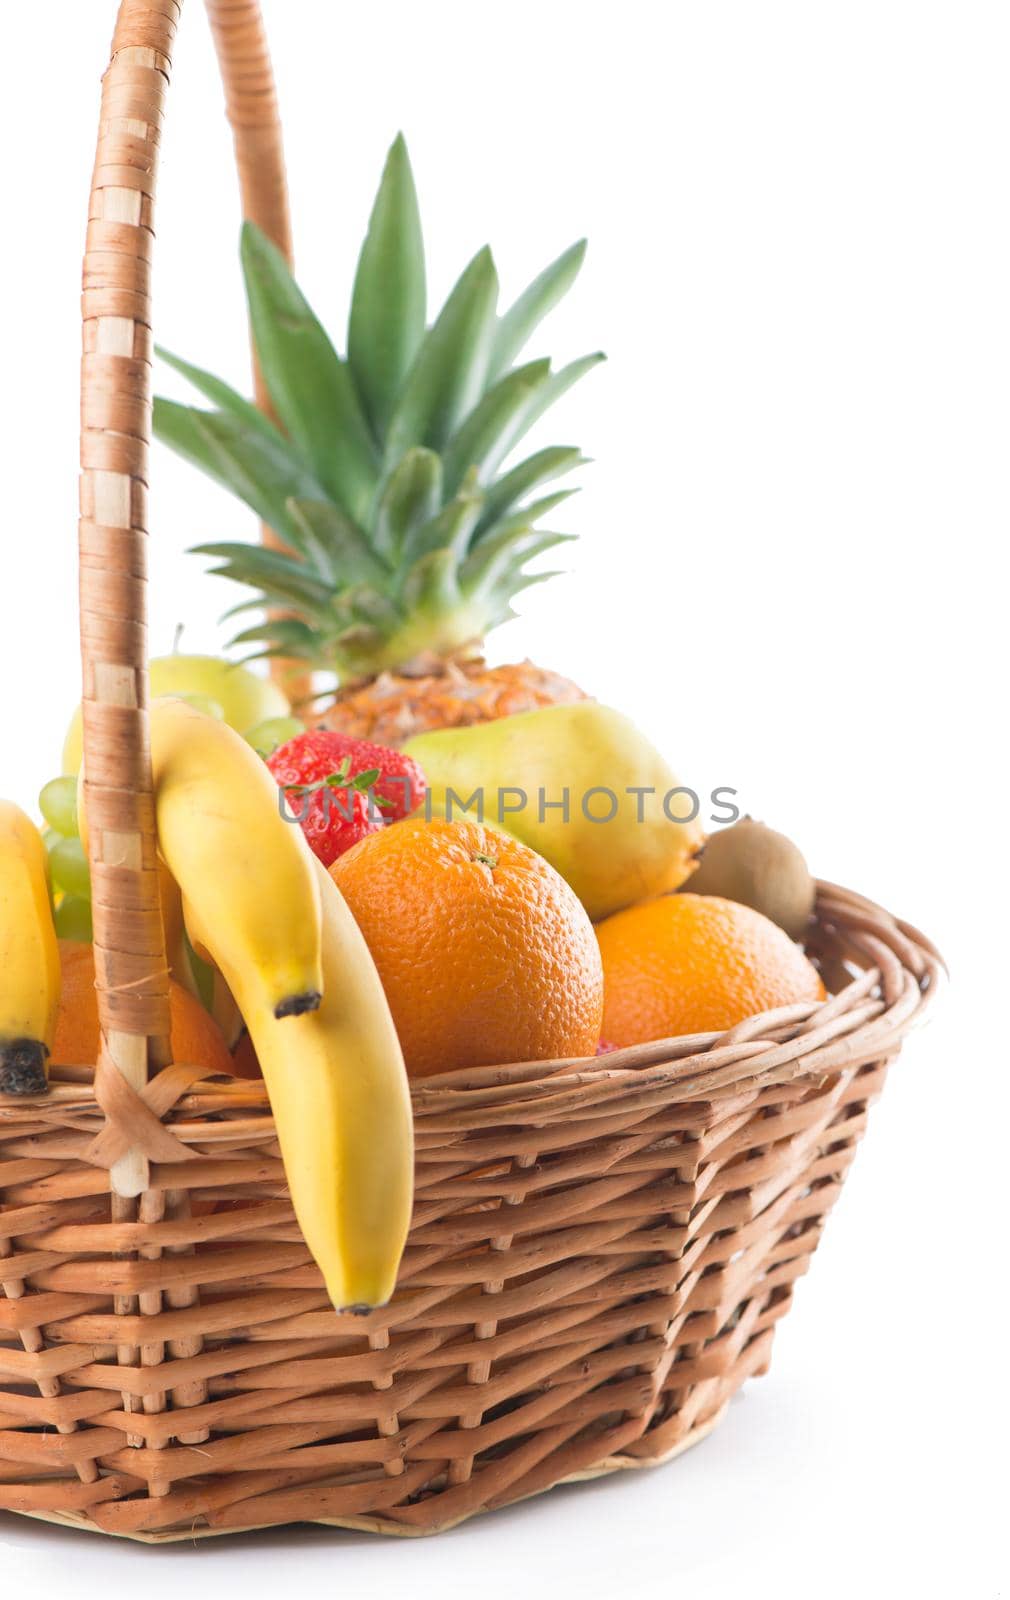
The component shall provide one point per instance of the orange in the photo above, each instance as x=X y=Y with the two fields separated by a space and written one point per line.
x=691 y=963
x=196 y=1037
x=486 y=955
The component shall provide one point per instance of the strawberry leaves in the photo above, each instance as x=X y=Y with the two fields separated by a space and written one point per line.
x=360 y=783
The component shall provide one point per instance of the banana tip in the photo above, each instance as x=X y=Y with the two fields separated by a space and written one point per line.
x=370 y=1299
x=296 y=1005
x=23 y=1067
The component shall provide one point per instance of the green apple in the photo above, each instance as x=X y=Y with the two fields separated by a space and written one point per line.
x=245 y=698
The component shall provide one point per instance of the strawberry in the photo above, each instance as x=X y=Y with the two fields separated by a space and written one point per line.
x=324 y=794
x=400 y=785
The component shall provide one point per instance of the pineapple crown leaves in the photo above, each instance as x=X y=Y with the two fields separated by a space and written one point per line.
x=384 y=472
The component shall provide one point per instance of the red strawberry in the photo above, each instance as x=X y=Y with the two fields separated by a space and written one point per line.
x=325 y=795
x=400 y=781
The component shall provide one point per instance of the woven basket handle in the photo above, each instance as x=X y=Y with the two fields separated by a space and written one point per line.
x=131 y=974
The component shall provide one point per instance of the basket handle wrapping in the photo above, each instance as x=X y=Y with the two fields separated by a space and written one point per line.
x=130 y=967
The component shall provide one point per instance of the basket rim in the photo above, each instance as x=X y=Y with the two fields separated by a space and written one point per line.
x=899 y=973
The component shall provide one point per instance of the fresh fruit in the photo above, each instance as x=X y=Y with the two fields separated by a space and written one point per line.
x=72 y=919
x=396 y=781
x=250 y=895
x=242 y=696
x=405 y=540
x=324 y=795
x=196 y=1037
x=484 y=952
x=758 y=867
x=619 y=841
x=204 y=703
x=58 y=804
x=447 y=694
x=69 y=867
x=400 y=787
x=268 y=736
x=69 y=873
x=263 y=911
x=29 y=958
x=342 y=1112
x=690 y=963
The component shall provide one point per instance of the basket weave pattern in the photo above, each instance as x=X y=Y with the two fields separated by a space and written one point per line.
x=599 y=1254
x=600 y=1249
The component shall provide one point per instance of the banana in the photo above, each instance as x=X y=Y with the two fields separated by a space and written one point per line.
x=29 y=956
x=250 y=894
x=341 y=1105
x=263 y=911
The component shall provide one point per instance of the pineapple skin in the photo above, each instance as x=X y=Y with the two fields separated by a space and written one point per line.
x=393 y=707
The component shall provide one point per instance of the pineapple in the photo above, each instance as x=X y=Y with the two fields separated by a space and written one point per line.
x=404 y=540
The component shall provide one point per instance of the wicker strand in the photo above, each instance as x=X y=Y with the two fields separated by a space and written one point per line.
x=32 y=1343
x=251 y=102
x=131 y=971
x=130 y=963
x=132 y=976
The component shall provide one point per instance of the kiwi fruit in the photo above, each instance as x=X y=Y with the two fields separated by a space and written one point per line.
x=757 y=867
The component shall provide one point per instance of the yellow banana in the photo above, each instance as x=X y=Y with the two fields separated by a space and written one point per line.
x=263 y=910
x=29 y=956
x=250 y=894
x=341 y=1106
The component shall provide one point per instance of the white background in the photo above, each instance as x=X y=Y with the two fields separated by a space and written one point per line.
x=792 y=572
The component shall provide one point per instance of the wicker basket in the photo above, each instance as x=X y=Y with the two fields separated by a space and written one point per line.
x=600 y=1249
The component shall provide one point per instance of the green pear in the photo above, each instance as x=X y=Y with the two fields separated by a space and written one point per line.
x=580 y=785
x=244 y=697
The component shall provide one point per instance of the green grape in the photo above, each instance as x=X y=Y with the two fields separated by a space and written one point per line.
x=204 y=703
x=268 y=736
x=50 y=838
x=73 y=919
x=58 y=804
x=70 y=867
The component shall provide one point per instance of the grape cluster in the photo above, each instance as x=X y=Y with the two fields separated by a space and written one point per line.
x=68 y=862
